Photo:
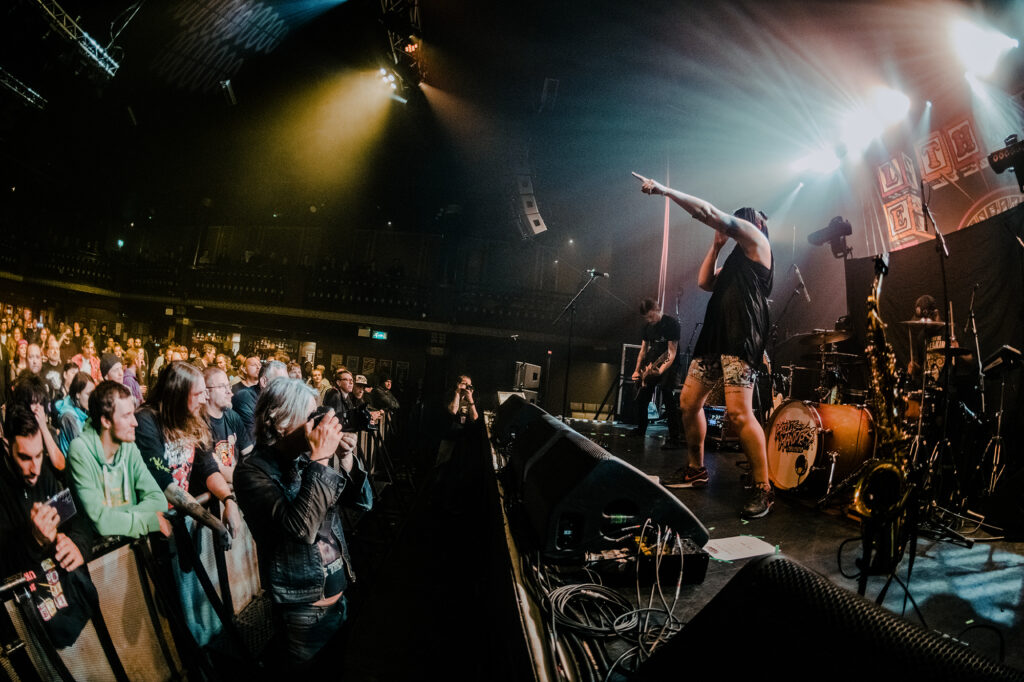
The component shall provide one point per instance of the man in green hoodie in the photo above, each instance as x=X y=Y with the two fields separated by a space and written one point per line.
x=111 y=481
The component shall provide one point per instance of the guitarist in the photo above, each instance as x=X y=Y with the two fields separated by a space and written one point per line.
x=658 y=365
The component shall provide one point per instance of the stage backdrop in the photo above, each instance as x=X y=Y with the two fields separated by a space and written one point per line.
x=989 y=254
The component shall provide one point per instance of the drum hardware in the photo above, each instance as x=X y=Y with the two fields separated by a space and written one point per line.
x=924 y=324
x=999 y=363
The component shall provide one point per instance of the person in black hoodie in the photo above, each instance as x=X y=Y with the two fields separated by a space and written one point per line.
x=35 y=538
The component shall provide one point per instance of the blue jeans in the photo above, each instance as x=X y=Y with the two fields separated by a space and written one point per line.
x=308 y=628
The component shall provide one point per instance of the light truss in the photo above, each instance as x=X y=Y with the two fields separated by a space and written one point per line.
x=401 y=19
x=63 y=22
x=25 y=92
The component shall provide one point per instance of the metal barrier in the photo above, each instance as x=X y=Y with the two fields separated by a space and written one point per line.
x=139 y=630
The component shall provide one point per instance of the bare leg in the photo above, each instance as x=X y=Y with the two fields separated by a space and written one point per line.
x=739 y=404
x=691 y=404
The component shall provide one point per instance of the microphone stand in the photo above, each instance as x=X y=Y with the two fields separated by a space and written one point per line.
x=570 y=308
x=943 y=447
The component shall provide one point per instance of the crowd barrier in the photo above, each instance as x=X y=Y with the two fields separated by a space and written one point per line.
x=139 y=630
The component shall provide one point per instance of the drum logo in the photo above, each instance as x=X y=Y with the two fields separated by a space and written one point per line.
x=793 y=435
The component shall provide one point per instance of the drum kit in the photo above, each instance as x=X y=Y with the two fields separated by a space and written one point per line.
x=816 y=447
x=812 y=446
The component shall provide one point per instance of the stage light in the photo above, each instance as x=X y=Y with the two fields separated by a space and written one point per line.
x=858 y=130
x=889 y=105
x=979 y=49
x=860 y=127
x=823 y=161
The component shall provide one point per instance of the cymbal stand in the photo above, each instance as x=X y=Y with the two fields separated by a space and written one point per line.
x=995 y=444
x=977 y=349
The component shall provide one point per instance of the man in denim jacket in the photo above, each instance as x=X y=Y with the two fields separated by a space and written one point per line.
x=290 y=493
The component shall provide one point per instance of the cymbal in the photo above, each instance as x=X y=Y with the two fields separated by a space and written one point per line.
x=822 y=337
x=924 y=324
x=830 y=355
x=950 y=352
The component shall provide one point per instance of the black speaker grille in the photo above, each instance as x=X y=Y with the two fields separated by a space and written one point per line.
x=786 y=613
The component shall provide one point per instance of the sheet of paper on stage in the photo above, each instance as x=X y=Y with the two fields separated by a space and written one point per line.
x=739 y=547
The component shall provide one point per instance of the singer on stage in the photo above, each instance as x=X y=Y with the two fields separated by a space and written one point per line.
x=731 y=342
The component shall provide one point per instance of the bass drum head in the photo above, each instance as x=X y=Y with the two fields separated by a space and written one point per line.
x=794 y=441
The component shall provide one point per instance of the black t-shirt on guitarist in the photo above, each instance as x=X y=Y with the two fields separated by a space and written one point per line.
x=657 y=336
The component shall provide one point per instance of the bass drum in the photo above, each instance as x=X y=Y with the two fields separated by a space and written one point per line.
x=802 y=434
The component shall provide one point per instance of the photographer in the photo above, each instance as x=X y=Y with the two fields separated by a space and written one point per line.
x=290 y=494
x=463 y=420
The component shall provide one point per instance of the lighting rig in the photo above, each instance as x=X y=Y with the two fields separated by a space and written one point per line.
x=401 y=19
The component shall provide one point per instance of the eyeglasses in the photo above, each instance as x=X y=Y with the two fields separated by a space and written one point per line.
x=216 y=386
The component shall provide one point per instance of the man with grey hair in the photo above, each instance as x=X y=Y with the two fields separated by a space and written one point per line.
x=244 y=401
x=290 y=493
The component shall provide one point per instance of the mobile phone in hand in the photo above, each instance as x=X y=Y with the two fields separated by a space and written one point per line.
x=64 y=504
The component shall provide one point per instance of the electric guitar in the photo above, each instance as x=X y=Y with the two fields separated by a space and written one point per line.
x=648 y=375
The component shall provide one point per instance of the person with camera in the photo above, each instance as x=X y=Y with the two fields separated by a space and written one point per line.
x=451 y=466
x=290 y=496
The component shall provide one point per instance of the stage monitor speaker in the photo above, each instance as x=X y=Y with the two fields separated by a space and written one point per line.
x=804 y=625
x=579 y=498
x=531 y=443
x=512 y=416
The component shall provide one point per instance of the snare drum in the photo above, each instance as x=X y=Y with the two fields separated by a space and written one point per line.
x=802 y=434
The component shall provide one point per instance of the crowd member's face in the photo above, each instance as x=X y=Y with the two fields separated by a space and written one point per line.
x=53 y=350
x=122 y=429
x=34 y=355
x=318 y=376
x=27 y=453
x=295 y=372
x=116 y=373
x=219 y=390
x=222 y=363
x=209 y=356
x=83 y=397
x=387 y=384
x=346 y=382
x=252 y=368
x=196 y=398
x=88 y=349
x=17 y=334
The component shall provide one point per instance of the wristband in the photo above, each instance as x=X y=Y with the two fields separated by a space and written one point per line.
x=230 y=497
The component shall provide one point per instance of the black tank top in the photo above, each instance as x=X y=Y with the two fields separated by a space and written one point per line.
x=736 y=321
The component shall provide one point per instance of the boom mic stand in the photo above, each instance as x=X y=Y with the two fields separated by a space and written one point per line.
x=570 y=308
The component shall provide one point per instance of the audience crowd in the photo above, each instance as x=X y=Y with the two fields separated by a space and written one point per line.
x=107 y=436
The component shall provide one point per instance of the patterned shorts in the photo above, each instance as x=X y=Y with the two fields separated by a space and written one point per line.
x=709 y=369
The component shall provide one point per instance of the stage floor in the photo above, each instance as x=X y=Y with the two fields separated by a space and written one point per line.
x=955 y=588
x=425 y=613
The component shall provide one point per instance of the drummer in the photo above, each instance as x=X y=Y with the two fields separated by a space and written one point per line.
x=929 y=341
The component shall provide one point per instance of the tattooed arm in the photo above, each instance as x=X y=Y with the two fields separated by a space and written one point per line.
x=754 y=244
